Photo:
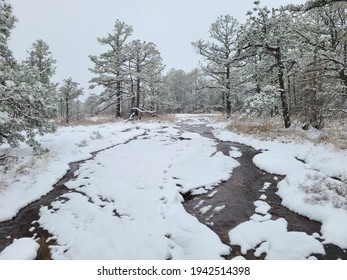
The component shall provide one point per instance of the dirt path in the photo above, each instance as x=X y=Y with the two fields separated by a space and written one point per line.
x=238 y=195
x=25 y=224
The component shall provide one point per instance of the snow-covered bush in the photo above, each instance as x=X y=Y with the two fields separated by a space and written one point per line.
x=261 y=104
x=321 y=190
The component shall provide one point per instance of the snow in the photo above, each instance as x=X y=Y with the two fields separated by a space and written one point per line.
x=262 y=207
x=284 y=162
x=21 y=249
x=205 y=209
x=201 y=202
x=212 y=194
x=235 y=153
x=316 y=196
x=133 y=201
x=323 y=158
x=275 y=240
x=218 y=208
x=23 y=188
x=126 y=202
x=260 y=218
x=307 y=189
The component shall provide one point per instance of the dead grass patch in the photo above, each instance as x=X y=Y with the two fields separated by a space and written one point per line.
x=262 y=128
x=335 y=133
x=170 y=118
x=87 y=120
x=272 y=128
x=321 y=190
x=218 y=117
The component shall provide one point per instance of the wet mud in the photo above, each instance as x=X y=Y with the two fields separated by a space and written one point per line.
x=25 y=224
x=238 y=194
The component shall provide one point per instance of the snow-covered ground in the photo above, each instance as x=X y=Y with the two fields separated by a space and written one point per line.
x=126 y=202
x=314 y=186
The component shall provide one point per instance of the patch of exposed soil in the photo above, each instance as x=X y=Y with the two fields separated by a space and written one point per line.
x=238 y=194
x=25 y=224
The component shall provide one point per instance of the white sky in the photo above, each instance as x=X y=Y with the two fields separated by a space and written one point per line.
x=70 y=27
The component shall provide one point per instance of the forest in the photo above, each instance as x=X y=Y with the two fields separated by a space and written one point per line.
x=241 y=157
x=289 y=62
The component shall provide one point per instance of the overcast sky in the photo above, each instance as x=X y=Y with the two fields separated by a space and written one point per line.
x=70 y=28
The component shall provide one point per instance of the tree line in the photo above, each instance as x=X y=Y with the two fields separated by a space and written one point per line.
x=291 y=60
x=286 y=61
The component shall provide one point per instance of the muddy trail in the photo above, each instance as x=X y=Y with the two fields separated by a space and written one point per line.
x=25 y=224
x=238 y=194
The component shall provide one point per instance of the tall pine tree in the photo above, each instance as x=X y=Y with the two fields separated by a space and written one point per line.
x=25 y=109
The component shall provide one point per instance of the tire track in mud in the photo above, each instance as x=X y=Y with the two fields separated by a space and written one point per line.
x=238 y=195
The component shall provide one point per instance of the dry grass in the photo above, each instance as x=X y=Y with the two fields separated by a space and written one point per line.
x=87 y=120
x=43 y=253
x=335 y=133
x=102 y=119
x=218 y=117
x=16 y=167
x=171 y=118
x=321 y=190
x=262 y=128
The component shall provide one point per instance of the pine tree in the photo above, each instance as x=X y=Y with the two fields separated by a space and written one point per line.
x=145 y=67
x=220 y=55
x=267 y=40
x=321 y=73
x=25 y=109
x=110 y=67
x=69 y=92
x=40 y=57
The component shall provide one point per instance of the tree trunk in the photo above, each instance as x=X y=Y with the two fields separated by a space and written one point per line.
x=67 y=110
x=284 y=101
x=228 y=97
x=118 y=96
x=138 y=93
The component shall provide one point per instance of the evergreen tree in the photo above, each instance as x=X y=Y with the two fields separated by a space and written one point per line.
x=69 y=92
x=266 y=41
x=145 y=67
x=25 y=110
x=220 y=55
x=110 y=67
x=40 y=57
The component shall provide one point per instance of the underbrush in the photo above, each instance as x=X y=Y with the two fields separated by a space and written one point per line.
x=334 y=133
x=102 y=119
x=171 y=118
x=88 y=120
x=321 y=190
x=16 y=166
